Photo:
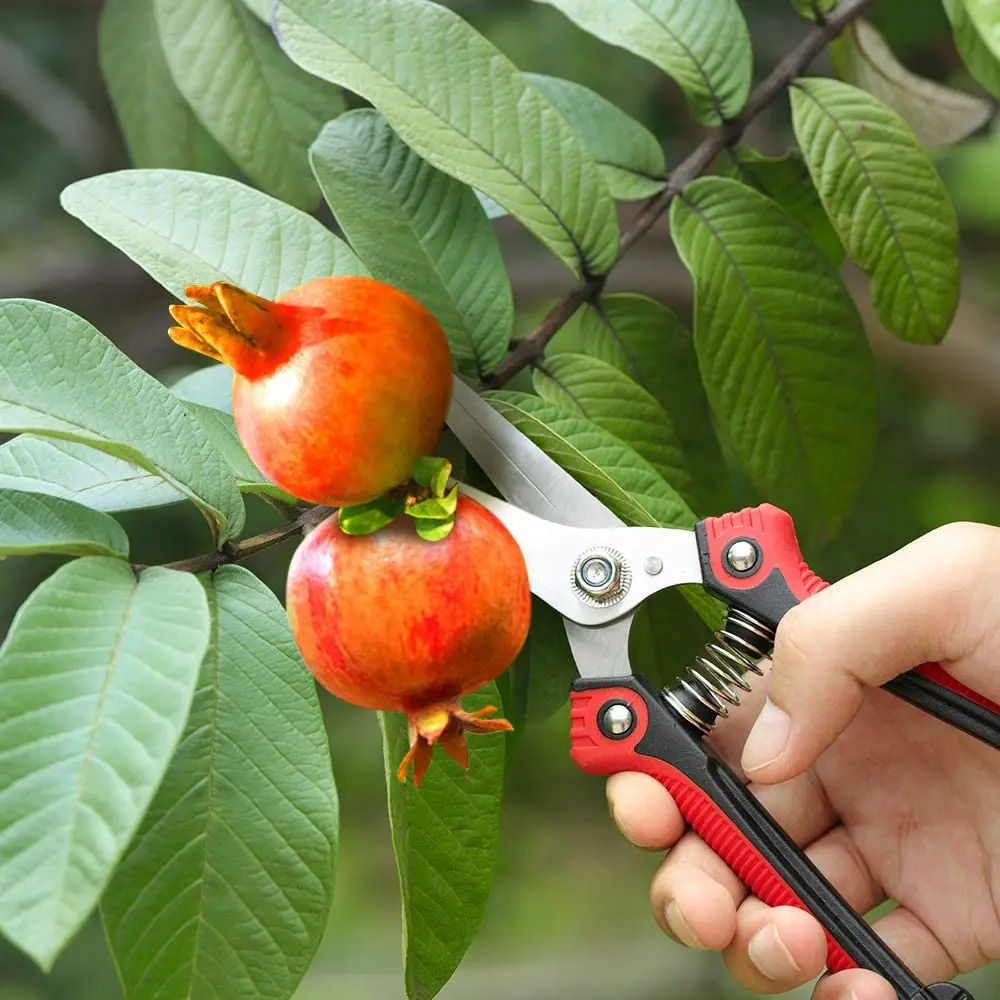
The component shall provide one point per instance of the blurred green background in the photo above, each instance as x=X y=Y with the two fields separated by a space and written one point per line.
x=569 y=916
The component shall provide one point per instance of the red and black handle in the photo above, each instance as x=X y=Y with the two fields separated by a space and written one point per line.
x=622 y=724
x=778 y=579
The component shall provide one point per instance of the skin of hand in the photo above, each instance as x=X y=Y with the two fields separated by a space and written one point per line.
x=887 y=801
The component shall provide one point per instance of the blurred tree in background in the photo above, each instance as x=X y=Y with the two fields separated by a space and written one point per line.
x=567 y=885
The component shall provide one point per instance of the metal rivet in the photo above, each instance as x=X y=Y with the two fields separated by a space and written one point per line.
x=598 y=574
x=653 y=565
x=617 y=719
x=742 y=556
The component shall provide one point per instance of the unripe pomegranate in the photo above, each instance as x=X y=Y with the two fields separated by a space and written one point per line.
x=388 y=621
x=341 y=384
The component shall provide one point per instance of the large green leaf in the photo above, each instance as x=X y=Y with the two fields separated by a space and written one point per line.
x=645 y=340
x=886 y=202
x=243 y=830
x=159 y=127
x=61 y=378
x=33 y=522
x=622 y=407
x=96 y=679
x=420 y=230
x=938 y=115
x=783 y=352
x=465 y=108
x=263 y=110
x=445 y=835
x=786 y=180
x=982 y=60
x=81 y=473
x=629 y=155
x=186 y=228
x=704 y=46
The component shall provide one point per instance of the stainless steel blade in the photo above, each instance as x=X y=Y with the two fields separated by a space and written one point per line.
x=520 y=470
x=601 y=652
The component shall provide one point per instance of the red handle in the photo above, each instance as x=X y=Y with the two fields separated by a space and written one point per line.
x=596 y=753
x=780 y=577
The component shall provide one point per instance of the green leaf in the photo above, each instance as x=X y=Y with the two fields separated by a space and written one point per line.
x=31 y=523
x=96 y=679
x=420 y=230
x=938 y=115
x=785 y=179
x=809 y=8
x=445 y=835
x=542 y=674
x=59 y=377
x=226 y=888
x=433 y=473
x=367 y=518
x=436 y=508
x=886 y=202
x=78 y=472
x=185 y=229
x=783 y=353
x=622 y=407
x=261 y=108
x=704 y=47
x=629 y=155
x=209 y=386
x=159 y=128
x=615 y=473
x=981 y=62
x=463 y=106
x=645 y=340
x=432 y=530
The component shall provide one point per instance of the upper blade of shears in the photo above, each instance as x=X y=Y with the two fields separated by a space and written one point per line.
x=519 y=469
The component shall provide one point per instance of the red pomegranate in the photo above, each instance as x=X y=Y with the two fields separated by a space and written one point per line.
x=388 y=621
x=341 y=384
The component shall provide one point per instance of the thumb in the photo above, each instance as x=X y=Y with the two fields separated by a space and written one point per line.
x=934 y=600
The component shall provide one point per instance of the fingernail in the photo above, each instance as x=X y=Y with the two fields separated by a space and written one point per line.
x=771 y=955
x=768 y=738
x=677 y=923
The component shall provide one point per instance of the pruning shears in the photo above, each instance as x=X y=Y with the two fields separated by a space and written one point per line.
x=595 y=571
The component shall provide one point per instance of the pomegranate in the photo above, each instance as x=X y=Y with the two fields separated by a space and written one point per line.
x=341 y=384
x=387 y=621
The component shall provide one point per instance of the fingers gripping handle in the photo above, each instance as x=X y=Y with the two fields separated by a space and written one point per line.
x=752 y=560
x=625 y=727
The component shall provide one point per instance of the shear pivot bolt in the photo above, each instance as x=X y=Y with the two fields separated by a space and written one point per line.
x=598 y=575
x=617 y=720
x=742 y=556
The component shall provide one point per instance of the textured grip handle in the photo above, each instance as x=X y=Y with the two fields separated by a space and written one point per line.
x=723 y=812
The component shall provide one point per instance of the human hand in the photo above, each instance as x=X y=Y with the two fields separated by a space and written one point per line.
x=886 y=801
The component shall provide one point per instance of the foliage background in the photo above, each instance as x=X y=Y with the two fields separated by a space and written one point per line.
x=569 y=915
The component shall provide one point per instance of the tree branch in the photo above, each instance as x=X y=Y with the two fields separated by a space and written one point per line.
x=532 y=346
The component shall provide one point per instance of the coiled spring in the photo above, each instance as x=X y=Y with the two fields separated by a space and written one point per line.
x=716 y=674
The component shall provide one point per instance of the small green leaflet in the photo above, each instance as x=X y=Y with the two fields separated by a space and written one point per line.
x=644 y=339
x=420 y=230
x=96 y=679
x=410 y=59
x=243 y=830
x=783 y=353
x=211 y=386
x=629 y=155
x=704 y=46
x=217 y=49
x=445 y=835
x=159 y=127
x=938 y=115
x=786 y=180
x=623 y=408
x=809 y=8
x=433 y=473
x=185 y=228
x=886 y=202
x=60 y=377
x=981 y=60
x=31 y=523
